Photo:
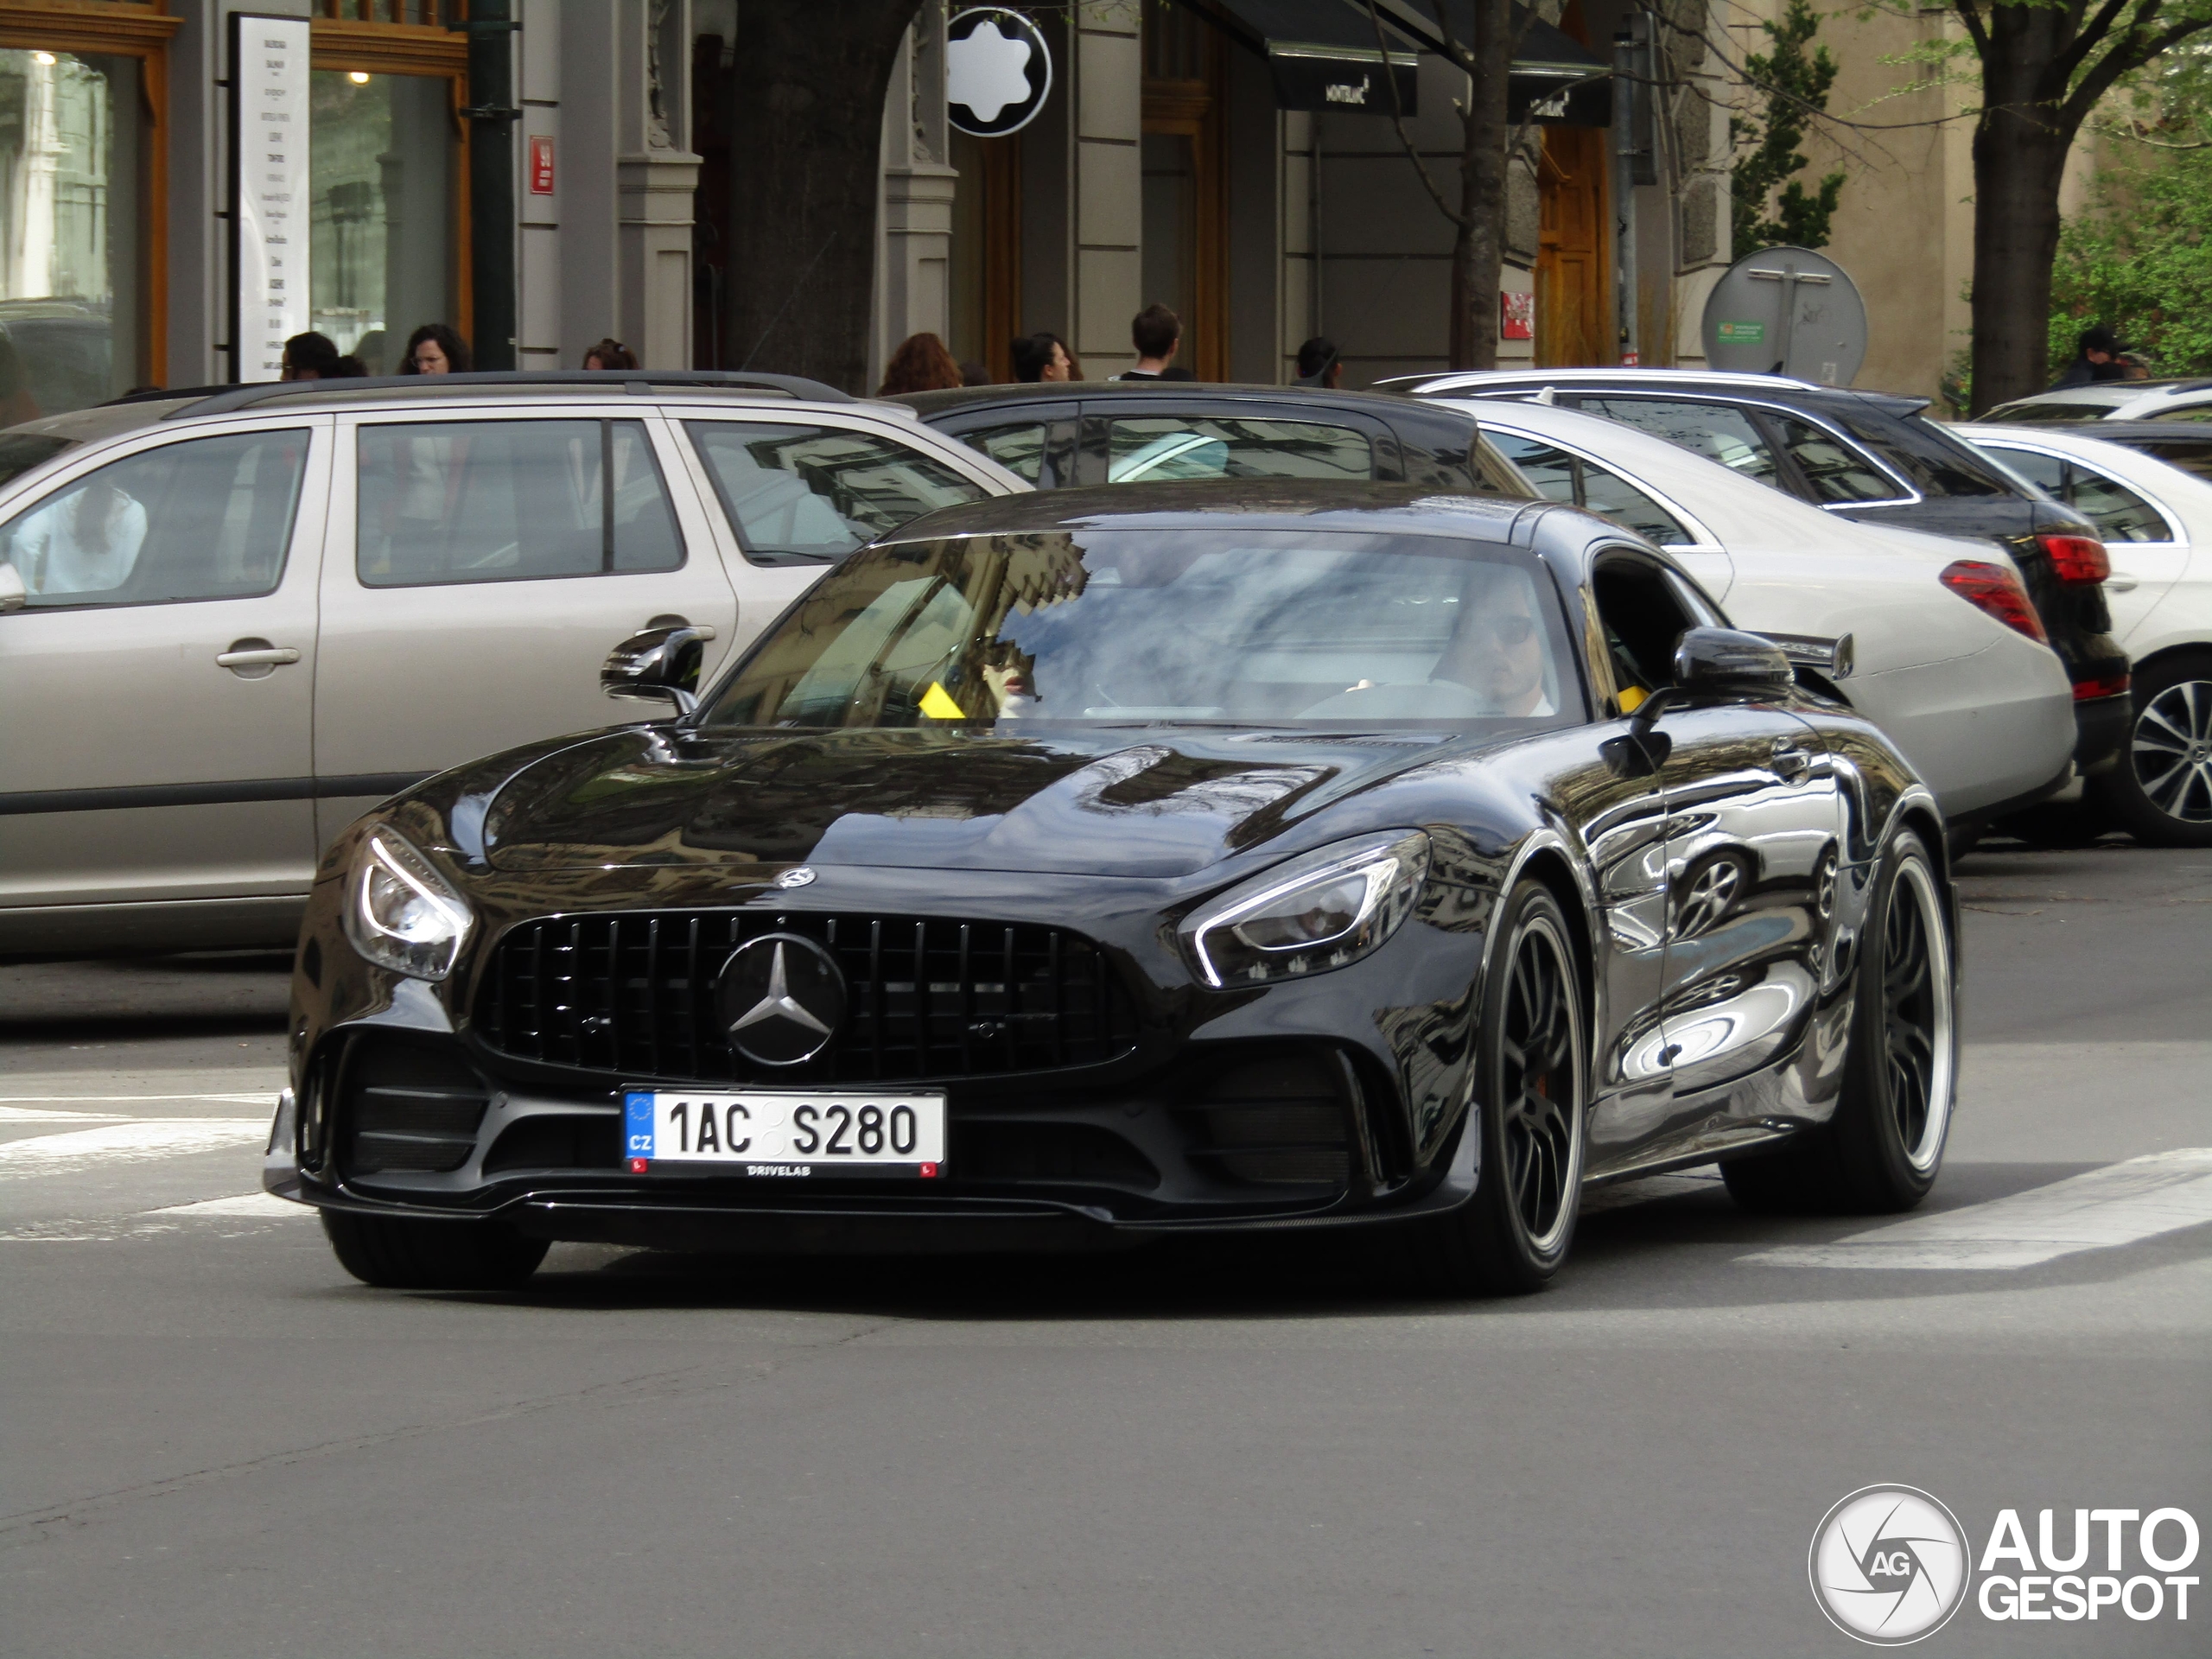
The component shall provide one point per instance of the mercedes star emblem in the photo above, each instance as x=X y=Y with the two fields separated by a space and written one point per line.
x=799 y=877
x=782 y=997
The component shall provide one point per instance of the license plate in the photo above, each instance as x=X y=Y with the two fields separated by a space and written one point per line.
x=786 y=1132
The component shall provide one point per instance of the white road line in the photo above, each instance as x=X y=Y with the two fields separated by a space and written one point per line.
x=34 y=1114
x=250 y=1097
x=2123 y=1204
x=126 y=1143
x=256 y=1205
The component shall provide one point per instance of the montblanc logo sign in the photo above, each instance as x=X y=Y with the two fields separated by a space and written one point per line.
x=998 y=71
x=1338 y=92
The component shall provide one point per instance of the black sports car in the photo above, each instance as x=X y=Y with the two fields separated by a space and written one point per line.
x=1073 y=869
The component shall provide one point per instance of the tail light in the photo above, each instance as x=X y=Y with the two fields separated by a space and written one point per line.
x=1995 y=590
x=2076 y=559
x=2104 y=685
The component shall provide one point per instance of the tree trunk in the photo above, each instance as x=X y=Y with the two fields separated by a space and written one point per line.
x=1479 y=252
x=806 y=154
x=2020 y=145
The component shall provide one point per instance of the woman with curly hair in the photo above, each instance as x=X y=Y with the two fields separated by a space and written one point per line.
x=920 y=364
x=434 y=349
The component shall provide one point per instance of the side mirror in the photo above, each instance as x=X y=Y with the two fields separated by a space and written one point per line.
x=1724 y=659
x=659 y=663
x=13 y=594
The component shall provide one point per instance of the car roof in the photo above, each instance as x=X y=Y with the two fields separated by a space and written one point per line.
x=2122 y=432
x=1252 y=504
x=1711 y=382
x=931 y=404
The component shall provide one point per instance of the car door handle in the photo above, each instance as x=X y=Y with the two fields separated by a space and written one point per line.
x=1790 y=760
x=670 y=619
x=264 y=656
x=2120 y=584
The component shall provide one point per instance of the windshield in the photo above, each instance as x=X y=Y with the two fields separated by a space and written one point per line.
x=1124 y=626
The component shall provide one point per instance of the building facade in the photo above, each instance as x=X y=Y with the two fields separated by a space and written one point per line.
x=541 y=174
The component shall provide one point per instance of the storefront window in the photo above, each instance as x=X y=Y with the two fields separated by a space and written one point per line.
x=384 y=150
x=72 y=166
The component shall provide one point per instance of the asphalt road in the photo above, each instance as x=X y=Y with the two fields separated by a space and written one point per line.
x=217 y=1444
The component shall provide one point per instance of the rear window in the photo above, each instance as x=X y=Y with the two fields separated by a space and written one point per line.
x=1937 y=463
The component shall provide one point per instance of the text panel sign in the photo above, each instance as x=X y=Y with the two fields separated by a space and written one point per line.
x=270 y=203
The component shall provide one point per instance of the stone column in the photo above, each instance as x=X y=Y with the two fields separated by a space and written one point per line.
x=655 y=175
x=1106 y=81
x=914 y=251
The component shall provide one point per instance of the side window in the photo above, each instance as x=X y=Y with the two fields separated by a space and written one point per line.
x=2119 y=514
x=2186 y=412
x=2046 y=473
x=461 y=501
x=1713 y=430
x=798 y=492
x=1042 y=452
x=204 y=519
x=1835 y=470
x=1559 y=476
x=2194 y=459
x=1158 y=448
x=1624 y=503
x=1644 y=619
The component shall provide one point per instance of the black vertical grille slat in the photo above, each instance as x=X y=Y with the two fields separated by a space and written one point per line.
x=634 y=996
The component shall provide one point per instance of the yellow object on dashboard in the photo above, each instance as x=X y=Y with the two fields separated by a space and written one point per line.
x=1630 y=697
x=936 y=702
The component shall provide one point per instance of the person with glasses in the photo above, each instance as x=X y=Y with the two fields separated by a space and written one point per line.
x=434 y=349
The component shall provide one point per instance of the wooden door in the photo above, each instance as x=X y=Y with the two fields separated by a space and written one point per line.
x=1572 y=271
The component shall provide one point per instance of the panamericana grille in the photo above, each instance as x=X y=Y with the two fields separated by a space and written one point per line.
x=926 y=997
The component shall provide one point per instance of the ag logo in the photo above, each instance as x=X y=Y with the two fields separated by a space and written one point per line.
x=997 y=72
x=1889 y=1564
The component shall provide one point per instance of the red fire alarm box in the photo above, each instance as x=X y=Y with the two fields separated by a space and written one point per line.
x=541 y=165
x=1517 y=317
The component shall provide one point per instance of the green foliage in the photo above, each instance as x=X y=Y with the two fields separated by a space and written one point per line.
x=2140 y=260
x=1795 y=83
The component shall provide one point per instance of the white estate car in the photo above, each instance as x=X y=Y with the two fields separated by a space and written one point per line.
x=229 y=624
x=2112 y=400
x=2154 y=520
x=1947 y=654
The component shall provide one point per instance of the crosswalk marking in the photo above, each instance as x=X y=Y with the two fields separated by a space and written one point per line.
x=133 y=1142
x=2121 y=1204
x=255 y=1205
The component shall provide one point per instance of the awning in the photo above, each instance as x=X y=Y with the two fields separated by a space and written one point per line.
x=1555 y=77
x=1322 y=52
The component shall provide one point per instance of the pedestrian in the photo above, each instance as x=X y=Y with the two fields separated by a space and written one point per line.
x=434 y=349
x=349 y=367
x=311 y=356
x=920 y=364
x=1318 y=365
x=2096 y=358
x=2133 y=368
x=369 y=351
x=1042 y=356
x=610 y=354
x=975 y=374
x=1157 y=333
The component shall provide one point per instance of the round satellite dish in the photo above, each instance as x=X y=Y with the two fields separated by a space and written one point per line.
x=997 y=71
x=1787 y=311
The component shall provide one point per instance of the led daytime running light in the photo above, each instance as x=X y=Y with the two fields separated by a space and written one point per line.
x=401 y=914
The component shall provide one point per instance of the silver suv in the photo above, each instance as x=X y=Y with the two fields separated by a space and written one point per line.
x=229 y=623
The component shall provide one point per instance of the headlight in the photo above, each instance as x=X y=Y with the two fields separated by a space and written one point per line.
x=401 y=914
x=1316 y=913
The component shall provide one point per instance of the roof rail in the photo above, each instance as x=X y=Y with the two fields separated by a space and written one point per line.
x=640 y=382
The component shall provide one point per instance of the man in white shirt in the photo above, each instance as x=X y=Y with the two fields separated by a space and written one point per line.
x=86 y=542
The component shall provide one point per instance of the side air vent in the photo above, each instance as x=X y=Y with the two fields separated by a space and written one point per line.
x=407 y=1108
x=1277 y=1120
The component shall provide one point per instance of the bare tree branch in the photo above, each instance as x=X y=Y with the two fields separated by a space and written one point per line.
x=1398 y=120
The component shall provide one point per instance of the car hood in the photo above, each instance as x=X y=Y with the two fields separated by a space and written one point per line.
x=1130 y=801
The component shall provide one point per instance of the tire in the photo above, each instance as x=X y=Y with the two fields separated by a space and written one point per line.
x=1882 y=1150
x=2161 y=788
x=1531 y=1110
x=397 y=1253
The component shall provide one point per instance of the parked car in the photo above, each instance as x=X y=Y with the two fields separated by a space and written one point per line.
x=233 y=622
x=1104 y=864
x=1961 y=680
x=2184 y=399
x=2155 y=521
x=2185 y=444
x=1129 y=432
x=1876 y=459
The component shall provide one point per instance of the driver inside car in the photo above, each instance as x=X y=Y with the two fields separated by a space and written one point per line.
x=1496 y=664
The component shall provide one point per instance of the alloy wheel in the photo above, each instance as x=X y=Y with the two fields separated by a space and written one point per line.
x=2172 y=751
x=1709 y=896
x=1541 y=1105
x=1916 y=1013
